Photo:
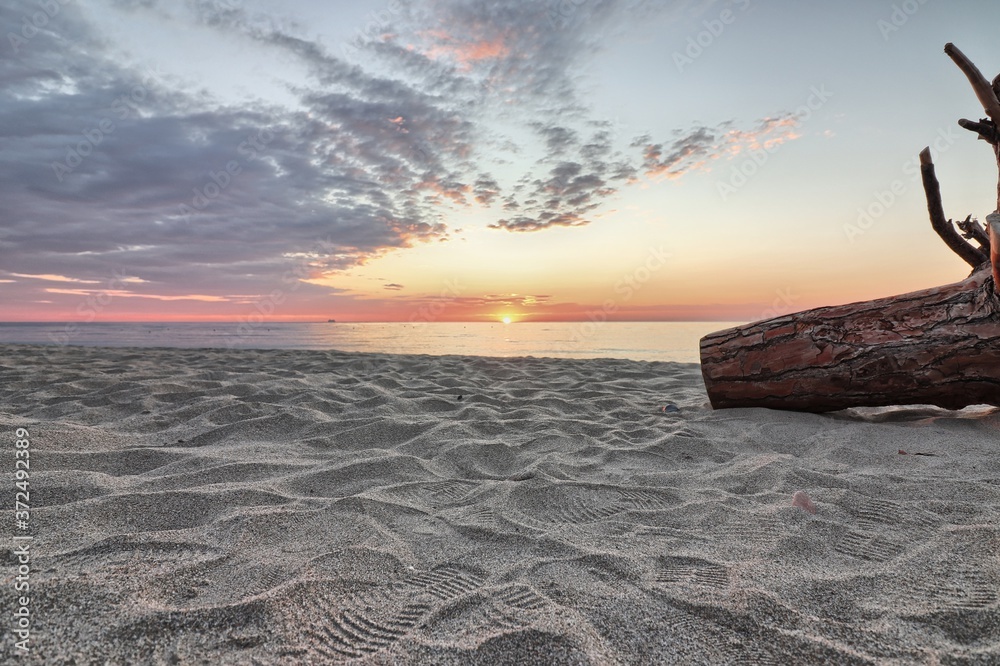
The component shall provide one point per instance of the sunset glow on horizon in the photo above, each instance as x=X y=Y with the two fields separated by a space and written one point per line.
x=504 y=162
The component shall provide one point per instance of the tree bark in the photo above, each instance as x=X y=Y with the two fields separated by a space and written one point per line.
x=938 y=346
x=993 y=222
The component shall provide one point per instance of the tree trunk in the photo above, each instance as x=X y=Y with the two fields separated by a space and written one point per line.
x=938 y=346
x=993 y=222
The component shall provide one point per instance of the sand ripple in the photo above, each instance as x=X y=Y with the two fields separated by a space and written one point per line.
x=261 y=507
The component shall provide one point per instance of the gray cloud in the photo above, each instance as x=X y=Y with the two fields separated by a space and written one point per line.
x=580 y=176
x=193 y=193
x=106 y=167
x=677 y=158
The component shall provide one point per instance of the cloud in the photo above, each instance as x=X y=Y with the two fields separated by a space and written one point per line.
x=558 y=139
x=186 y=191
x=581 y=176
x=684 y=154
x=486 y=190
x=52 y=278
x=113 y=171
x=769 y=133
x=466 y=51
x=117 y=293
x=695 y=150
x=573 y=189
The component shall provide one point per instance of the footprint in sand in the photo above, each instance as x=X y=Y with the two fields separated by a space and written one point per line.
x=321 y=629
x=692 y=570
x=570 y=504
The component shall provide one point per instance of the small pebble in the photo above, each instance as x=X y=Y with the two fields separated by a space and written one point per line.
x=800 y=499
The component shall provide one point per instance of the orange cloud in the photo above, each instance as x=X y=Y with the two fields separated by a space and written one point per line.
x=52 y=278
x=128 y=294
x=457 y=192
x=771 y=133
x=465 y=52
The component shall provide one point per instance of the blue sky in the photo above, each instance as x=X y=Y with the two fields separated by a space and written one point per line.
x=723 y=160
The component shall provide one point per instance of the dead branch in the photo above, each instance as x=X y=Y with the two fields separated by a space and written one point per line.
x=983 y=88
x=989 y=96
x=985 y=128
x=972 y=230
x=939 y=222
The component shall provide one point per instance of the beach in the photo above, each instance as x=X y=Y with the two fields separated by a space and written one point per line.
x=269 y=507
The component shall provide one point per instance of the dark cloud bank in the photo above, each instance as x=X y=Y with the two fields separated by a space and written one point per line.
x=104 y=165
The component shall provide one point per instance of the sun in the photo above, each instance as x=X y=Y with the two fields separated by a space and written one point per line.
x=506 y=320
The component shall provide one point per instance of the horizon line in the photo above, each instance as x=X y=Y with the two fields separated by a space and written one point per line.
x=374 y=321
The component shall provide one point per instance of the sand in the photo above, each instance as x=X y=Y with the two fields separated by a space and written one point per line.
x=268 y=507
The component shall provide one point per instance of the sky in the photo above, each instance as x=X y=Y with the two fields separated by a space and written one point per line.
x=471 y=160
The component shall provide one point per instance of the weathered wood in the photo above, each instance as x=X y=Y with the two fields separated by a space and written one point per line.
x=993 y=222
x=986 y=130
x=988 y=94
x=972 y=230
x=983 y=88
x=935 y=209
x=938 y=346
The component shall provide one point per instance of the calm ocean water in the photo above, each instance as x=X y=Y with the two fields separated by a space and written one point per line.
x=643 y=341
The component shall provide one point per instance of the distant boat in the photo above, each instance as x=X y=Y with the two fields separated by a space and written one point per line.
x=331 y=321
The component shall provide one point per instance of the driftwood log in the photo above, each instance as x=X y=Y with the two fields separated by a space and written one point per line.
x=938 y=346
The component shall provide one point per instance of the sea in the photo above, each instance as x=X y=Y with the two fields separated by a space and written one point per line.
x=640 y=341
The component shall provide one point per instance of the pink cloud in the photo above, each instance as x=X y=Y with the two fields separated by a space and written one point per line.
x=466 y=52
x=703 y=146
